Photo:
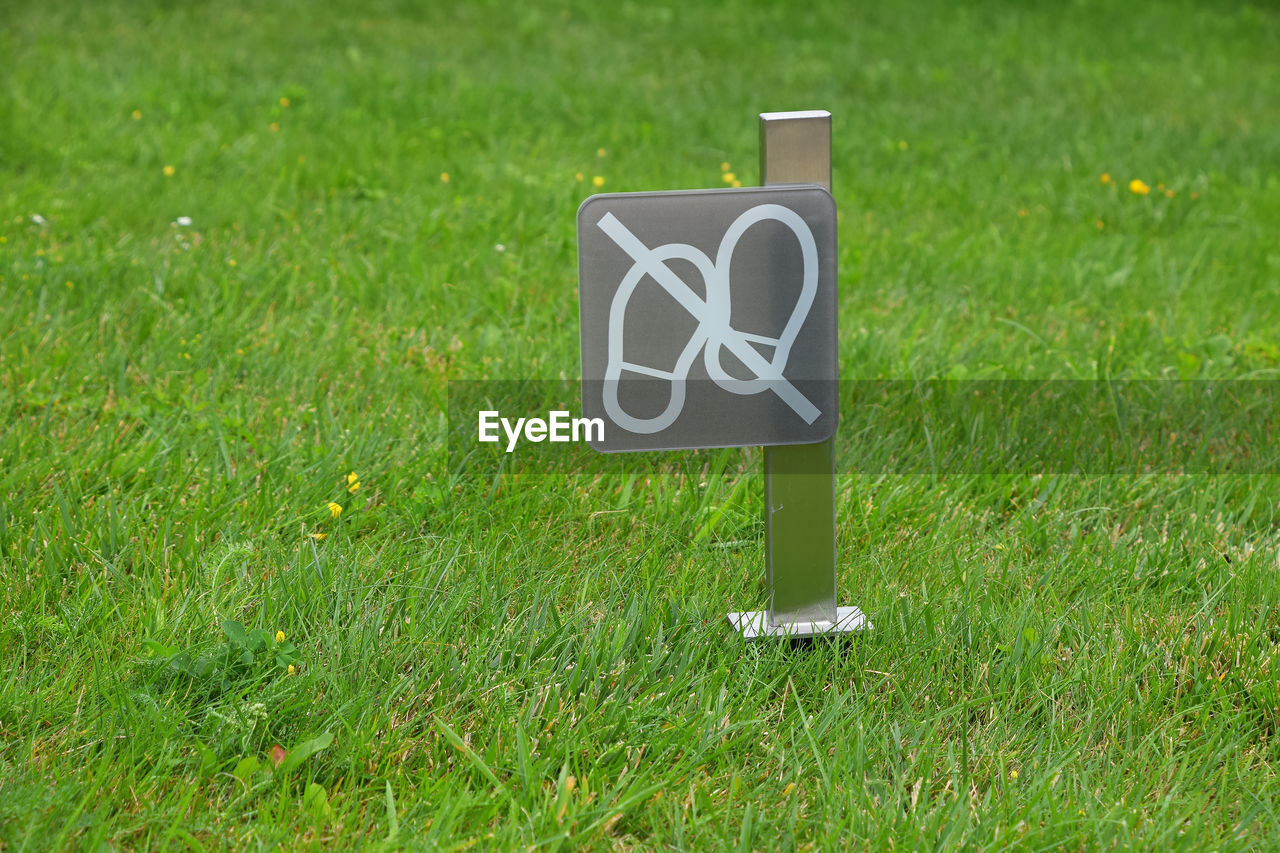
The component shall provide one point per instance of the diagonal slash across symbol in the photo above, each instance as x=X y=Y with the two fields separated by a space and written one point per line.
x=714 y=332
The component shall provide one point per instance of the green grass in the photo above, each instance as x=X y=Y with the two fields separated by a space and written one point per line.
x=1077 y=658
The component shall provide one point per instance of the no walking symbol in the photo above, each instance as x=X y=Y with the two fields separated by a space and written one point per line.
x=708 y=317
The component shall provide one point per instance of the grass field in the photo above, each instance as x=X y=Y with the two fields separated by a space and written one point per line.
x=245 y=248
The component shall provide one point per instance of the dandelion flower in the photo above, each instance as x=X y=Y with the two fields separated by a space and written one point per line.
x=318 y=536
x=1013 y=774
x=444 y=177
x=275 y=128
x=729 y=177
x=335 y=510
x=600 y=152
x=578 y=177
x=168 y=171
x=1101 y=225
x=137 y=114
x=902 y=145
x=1106 y=178
x=724 y=167
x=597 y=181
x=736 y=184
x=284 y=102
x=279 y=636
x=1139 y=187
x=1168 y=193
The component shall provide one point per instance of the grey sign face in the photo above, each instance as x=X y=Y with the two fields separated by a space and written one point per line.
x=708 y=317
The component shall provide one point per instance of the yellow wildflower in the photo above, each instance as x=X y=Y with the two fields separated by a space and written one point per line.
x=335 y=510
x=729 y=177
x=578 y=177
x=1106 y=178
x=1013 y=774
x=353 y=478
x=137 y=114
x=902 y=145
x=1168 y=193
x=1139 y=187
x=736 y=184
x=279 y=636
x=353 y=483
x=318 y=536
x=600 y=152
x=1101 y=225
x=444 y=177
x=597 y=181
x=724 y=167
x=168 y=171
x=292 y=669
x=284 y=102
x=275 y=128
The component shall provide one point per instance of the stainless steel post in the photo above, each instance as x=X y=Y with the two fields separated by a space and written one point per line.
x=799 y=480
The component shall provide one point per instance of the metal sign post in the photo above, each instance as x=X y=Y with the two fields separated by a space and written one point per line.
x=799 y=479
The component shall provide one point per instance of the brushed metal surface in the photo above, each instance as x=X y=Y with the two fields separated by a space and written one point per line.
x=795 y=148
x=755 y=624
x=800 y=531
x=800 y=520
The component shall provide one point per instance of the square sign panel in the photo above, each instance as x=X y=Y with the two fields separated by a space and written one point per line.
x=708 y=317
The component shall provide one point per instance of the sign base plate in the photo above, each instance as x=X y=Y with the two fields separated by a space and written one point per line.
x=755 y=624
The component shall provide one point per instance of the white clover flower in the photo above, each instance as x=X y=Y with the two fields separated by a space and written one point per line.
x=183 y=222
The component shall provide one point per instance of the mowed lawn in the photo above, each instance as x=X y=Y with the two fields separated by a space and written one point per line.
x=250 y=599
